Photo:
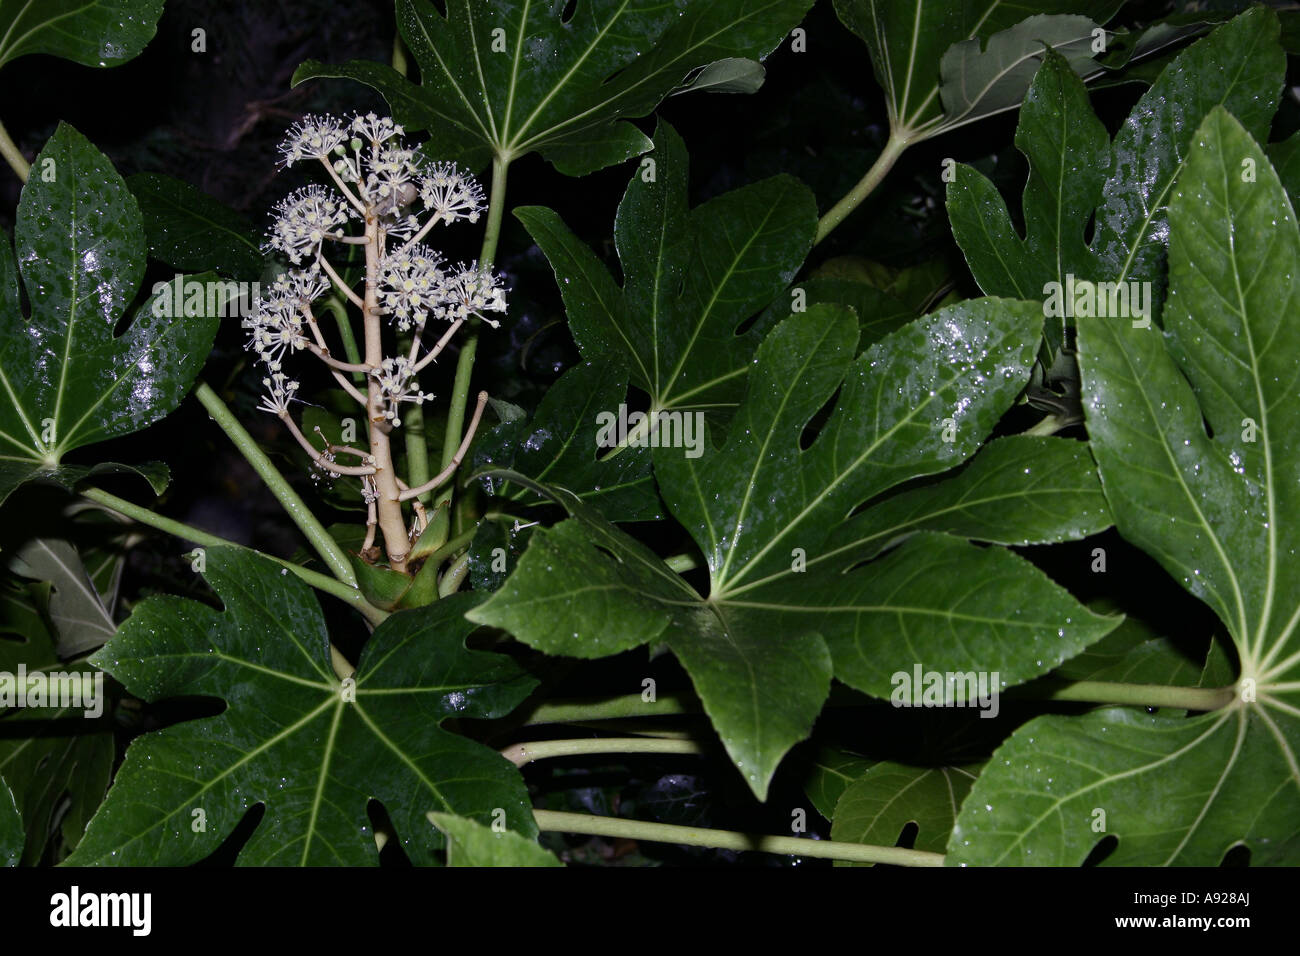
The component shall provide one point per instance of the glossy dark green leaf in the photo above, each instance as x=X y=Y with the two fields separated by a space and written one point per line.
x=943 y=605
x=68 y=379
x=89 y=32
x=57 y=761
x=559 y=447
x=1175 y=791
x=188 y=229
x=1068 y=152
x=470 y=843
x=879 y=805
x=691 y=277
x=1135 y=653
x=1018 y=490
x=917 y=402
x=290 y=737
x=1074 y=168
x=11 y=828
x=1196 y=431
x=1241 y=67
x=909 y=39
x=506 y=77
x=756 y=649
x=586 y=589
x=495 y=551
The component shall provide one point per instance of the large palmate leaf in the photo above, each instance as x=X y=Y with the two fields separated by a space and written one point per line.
x=89 y=32
x=1196 y=431
x=691 y=277
x=1075 y=168
x=502 y=78
x=760 y=647
x=295 y=739
x=67 y=380
x=937 y=71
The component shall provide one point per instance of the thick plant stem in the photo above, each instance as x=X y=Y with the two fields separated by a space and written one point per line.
x=894 y=147
x=388 y=506
x=632 y=705
x=1142 y=695
x=296 y=508
x=321 y=582
x=1095 y=692
x=561 y=822
x=520 y=754
x=13 y=155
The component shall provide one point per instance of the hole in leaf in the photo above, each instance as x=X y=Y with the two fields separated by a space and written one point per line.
x=391 y=854
x=569 y=9
x=818 y=421
x=1104 y=848
x=907 y=839
x=230 y=848
x=1239 y=855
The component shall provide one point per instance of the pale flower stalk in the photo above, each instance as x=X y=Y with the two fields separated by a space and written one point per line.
x=384 y=197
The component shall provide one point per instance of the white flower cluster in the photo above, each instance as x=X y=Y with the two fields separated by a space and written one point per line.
x=412 y=284
x=378 y=179
x=276 y=325
x=396 y=379
x=471 y=291
x=304 y=219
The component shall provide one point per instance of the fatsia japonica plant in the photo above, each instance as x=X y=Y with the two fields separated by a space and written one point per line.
x=905 y=475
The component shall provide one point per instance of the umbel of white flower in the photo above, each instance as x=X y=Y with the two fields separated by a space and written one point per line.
x=376 y=181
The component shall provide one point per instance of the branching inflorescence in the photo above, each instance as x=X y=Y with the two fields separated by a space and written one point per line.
x=376 y=184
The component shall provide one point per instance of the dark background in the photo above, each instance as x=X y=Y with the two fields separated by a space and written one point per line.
x=215 y=119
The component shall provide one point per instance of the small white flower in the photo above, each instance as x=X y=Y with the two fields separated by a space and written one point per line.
x=472 y=291
x=448 y=192
x=280 y=389
x=376 y=129
x=396 y=380
x=387 y=172
x=312 y=137
x=303 y=219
